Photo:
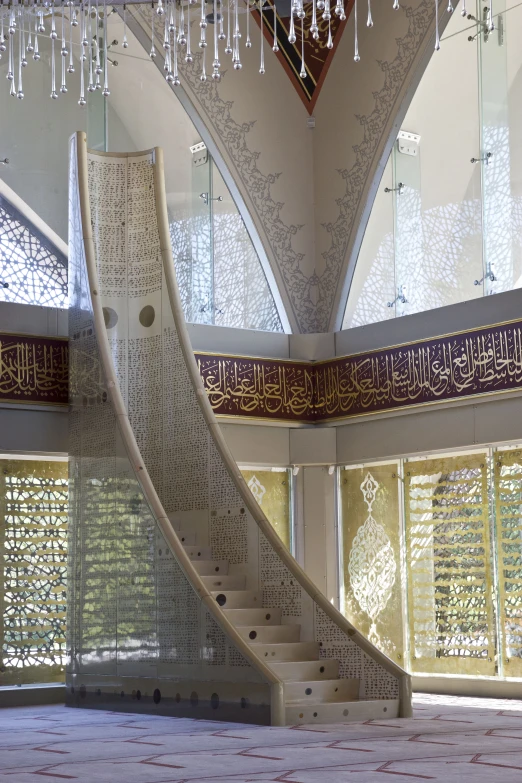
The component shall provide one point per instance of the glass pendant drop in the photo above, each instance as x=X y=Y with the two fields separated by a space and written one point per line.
x=125 y=42
x=216 y=76
x=20 y=93
x=203 y=77
x=302 y=72
x=54 y=94
x=152 y=53
x=262 y=61
x=248 y=42
x=291 y=32
x=105 y=92
x=314 y=28
x=228 y=47
x=356 y=56
x=188 y=56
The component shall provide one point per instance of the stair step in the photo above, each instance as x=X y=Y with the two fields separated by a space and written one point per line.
x=196 y=552
x=186 y=537
x=299 y=671
x=341 y=712
x=270 y=634
x=217 y=582
x=297 y=651
x=238 y=599
x=211 y=567
x=254 y=616
x=315 y=691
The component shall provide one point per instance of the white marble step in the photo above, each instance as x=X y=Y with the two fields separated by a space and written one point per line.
x=238 y=599
x=321 y=690
x=211 y=567
x=217 y=582
x=254 y=616
x=299 y=671
x=297 y=651
x=341 y=712
x=270 y=634
x=196 y=552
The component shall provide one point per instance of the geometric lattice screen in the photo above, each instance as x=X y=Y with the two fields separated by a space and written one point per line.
x=508 y=495
x=449 y=565
x=371 y=548
x=273 y=491
x=454 y=606
x=34 y=269
x=33 y=542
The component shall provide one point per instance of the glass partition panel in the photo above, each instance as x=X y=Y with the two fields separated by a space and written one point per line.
x=242 y=294
x=272 y=488
x=410 y=293
x=191 y=237
x=371 y=595
x=495 y=155
x=509 y=24
x=437 y=191
x=372 y=289
x=33 y=558
x=450 y=592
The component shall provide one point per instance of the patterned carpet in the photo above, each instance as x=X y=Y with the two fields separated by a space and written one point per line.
x=449 y=739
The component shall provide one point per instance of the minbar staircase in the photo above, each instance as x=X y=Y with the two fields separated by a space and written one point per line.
x=313 y=691
x=137 y=401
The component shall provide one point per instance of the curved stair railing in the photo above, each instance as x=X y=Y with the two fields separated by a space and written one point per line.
x=182 y=598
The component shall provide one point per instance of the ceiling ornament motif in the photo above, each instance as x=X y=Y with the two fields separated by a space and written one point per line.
x=315 y=54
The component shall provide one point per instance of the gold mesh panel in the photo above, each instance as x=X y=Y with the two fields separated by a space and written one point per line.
x=271 y=489
x=33 y=541
x=371 y=555
x=508 y=492
x=448 y=553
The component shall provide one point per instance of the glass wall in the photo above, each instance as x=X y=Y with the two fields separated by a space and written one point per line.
x=432 y=560
x=444 y=226
x=272 y=488
x=33 y=568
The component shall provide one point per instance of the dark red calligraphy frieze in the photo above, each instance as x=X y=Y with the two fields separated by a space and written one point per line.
x=484 y=361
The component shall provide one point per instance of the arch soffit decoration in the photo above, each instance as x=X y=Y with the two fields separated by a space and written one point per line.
x=402 y=77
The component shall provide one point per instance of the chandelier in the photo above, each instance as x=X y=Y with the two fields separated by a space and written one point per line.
x=82 y=27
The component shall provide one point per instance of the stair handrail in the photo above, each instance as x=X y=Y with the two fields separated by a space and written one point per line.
x=250 y=502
